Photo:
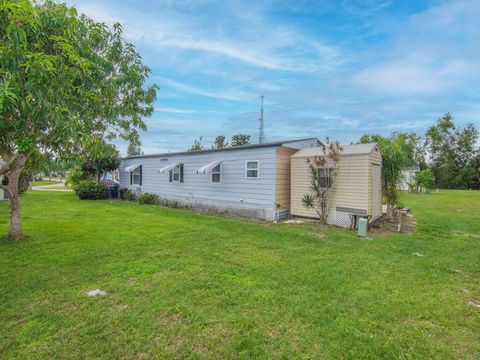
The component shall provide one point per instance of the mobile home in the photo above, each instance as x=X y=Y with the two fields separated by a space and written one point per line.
x=356 y=189
x=250 y=181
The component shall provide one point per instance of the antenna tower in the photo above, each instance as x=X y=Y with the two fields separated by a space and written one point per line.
x=261 y=136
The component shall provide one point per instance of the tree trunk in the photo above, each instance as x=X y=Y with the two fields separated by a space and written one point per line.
x=15 y=231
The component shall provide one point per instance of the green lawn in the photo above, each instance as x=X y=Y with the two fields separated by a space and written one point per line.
x=186 y=285
x=45 y=182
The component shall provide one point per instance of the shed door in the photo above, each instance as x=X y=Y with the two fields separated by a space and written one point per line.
x=376 y=191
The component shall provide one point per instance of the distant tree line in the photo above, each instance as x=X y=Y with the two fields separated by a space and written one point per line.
x=220 y=143
x=448 y=155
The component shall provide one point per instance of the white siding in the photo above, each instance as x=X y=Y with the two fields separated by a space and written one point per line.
x=234 y=191
x=302 y=144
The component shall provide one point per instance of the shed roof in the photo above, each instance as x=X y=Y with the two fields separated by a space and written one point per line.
x=356 y=149
x=230 y=148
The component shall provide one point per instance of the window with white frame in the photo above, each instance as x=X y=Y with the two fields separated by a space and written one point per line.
x=252 y=169
x=325 y=177
x=217 y=174
x=176 y=173
x=137 y=176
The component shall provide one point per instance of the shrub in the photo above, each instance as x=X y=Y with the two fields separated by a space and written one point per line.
x=148 y=199
x=174 y=204
x=123 y=193
x=76 y=177
x=131 y=195
x=424 y=179
x=90 y=190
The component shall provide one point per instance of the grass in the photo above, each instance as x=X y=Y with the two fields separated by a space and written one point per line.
x=180 y=284
x=45 y=182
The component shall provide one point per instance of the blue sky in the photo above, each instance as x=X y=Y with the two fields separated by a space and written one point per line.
x=326 y=68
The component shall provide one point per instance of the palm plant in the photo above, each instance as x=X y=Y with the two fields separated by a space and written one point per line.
x=393 y=163
x=323 y=170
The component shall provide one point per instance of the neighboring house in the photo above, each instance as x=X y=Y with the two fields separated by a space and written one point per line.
x=357 y=187
x=407 y=177
x=250 y=181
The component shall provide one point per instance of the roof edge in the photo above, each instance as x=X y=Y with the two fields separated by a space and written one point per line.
x=231 y=148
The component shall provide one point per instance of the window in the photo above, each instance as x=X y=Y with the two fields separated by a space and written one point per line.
x=252 y=169
x=176 y=173
x=217 y=173
x=137 y=176
x=325 y=177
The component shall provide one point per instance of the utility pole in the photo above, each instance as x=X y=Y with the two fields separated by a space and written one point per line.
x=261 y=136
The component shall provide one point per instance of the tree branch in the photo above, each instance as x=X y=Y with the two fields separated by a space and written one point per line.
x=10 y=163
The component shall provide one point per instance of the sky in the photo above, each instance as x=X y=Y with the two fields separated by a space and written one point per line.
x=336 y=69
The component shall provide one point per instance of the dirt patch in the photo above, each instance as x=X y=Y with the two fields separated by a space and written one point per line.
x=386 y=225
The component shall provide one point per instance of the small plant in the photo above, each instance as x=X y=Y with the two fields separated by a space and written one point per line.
x=174 y=204
x=123 y=192
x=90 y=190
x=148 y=199
x=131 y=195
x=323 y=169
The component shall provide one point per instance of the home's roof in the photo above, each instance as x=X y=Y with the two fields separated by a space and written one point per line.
x=230 y=148
x=357 y=149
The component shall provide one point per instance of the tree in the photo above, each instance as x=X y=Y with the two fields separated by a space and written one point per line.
x=240 y=139
x=409 y=142
x=65 y=80
x=393 y=161
x=424 y=180
x=452 y=153
x=134 y=147
x=220 y=142
x=323 y=170
x=104 y=158
x=197 y=145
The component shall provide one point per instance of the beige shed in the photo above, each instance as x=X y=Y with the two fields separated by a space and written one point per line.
x=356 y=189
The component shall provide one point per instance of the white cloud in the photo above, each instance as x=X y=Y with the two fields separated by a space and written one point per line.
x=226 y=94
x=257 y=42
x=407 y=76
x=163 y=109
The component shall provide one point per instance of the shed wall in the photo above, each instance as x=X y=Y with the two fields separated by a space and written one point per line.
x=350 y=189
x=375 y=158
x=282 y=176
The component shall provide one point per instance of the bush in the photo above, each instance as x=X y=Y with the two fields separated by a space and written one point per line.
x=148 y=199
x=424 y=179
x=90 y=190
x=123 y=193
x=76 y=177
x=130 y=195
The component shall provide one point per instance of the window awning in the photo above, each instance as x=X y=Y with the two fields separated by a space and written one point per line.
x=132 y=167
x=207 y=169
x=168 y=167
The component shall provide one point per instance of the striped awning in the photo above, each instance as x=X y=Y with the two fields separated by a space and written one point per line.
x=168 y=167
x=132 y=167
x=207 y=169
